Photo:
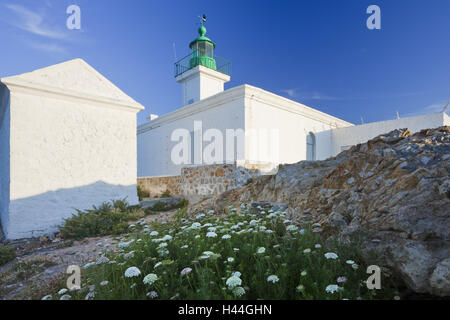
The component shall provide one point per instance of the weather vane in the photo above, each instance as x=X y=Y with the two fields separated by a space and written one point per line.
x=202 y=18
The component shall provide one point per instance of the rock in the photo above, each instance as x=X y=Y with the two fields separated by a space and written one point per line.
x=440 y=278
x=395 y=188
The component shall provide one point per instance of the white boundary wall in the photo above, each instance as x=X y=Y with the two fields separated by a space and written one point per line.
x=343 y=138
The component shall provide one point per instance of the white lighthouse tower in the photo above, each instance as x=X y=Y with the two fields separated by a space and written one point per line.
x=201 y=74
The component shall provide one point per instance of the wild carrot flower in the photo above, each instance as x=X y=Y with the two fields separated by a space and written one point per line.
x=233 y=281
x=273 y=278
x=150 y=279
x=238 y=291
x=211 y=235
x=261 y=250
x=62 y=291
x=132 y=272
x=152 y=294
x=185 y=271
x=291 y=228
x=331 y=255
x=341 y=279
x=349 y=262
x=226 y=236
x=332 y=288
x=308 y=250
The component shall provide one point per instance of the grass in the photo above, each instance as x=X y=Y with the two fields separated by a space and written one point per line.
x=108 y=219
x=253 y=254
x=23 y=271
x=7 y=254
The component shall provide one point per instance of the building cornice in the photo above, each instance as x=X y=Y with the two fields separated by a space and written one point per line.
x=199 y=106
x=246 y=92
x=16 y=84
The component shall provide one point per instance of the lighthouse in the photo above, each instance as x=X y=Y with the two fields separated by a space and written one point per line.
x=201 y=73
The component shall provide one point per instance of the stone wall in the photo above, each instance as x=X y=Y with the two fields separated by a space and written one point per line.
x=155 y=186
x=198 y=182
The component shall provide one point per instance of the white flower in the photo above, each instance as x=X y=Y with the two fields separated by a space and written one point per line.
x=291 y=227
x=233 y=281
x=211 y=235
x=62 y=291
x=212 y=229
x=152 y=294
x=65 y=297
x=154 y=233
x=261 y=250
x=238 y=291
x=162 y=245
x=150 y=279
x=317 y=246
x=211 y=212
x=332 y=288
x=157 y=265
x=236 y=274
x=208 y=253
x=316 y=225
x=350 y=262
x=47 y=297
x=167 y=238
x=196 y=225
x=207 y=225
x=132 y=272
x=90 y=295
x=262 y=228
x=125 y=244
x=273 y=278
x=201 y=215
x=88 y=265
x=104 y=283
x=185 y=271
x=302 y=231
x=185 y=246
x=230 y=260
x=253 y=222
x=226 y=236
x=308 y=250
x=268 y=231
x=331 y=255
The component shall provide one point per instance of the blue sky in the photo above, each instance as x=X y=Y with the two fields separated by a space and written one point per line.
x=319 y=53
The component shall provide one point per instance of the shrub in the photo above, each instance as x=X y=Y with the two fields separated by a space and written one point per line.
x=7 y=254
x=165 y=194
x=109 y=218
x=239 y=256
x=163 y=206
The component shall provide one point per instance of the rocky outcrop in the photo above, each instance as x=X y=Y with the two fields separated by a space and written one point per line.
x=395 y=188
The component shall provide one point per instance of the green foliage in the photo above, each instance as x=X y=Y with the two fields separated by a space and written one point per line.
x=165 y=194
x=109 y=218
x=249 y=181
x=142 y=193
x=162 y=206
x=7 y=254
x=260 y=246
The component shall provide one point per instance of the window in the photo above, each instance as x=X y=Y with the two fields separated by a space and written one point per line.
x=310 y=147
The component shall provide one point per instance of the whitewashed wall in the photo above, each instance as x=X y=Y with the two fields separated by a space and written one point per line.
x=4 y=154
x=293 y=121
x=345 y=137
x=69 y=149
x=222 y=111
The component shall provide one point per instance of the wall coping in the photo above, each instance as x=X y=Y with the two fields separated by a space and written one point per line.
x=15 y=84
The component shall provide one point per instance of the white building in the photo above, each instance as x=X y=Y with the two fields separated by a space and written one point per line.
x=269 y=129
x=67 y=140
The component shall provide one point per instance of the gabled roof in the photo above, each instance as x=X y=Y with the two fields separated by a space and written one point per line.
x=74 y=78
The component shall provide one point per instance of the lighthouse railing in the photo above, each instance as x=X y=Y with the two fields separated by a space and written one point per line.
x=194 y=59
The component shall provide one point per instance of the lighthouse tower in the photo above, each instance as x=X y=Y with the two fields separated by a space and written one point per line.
x=201 y=73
